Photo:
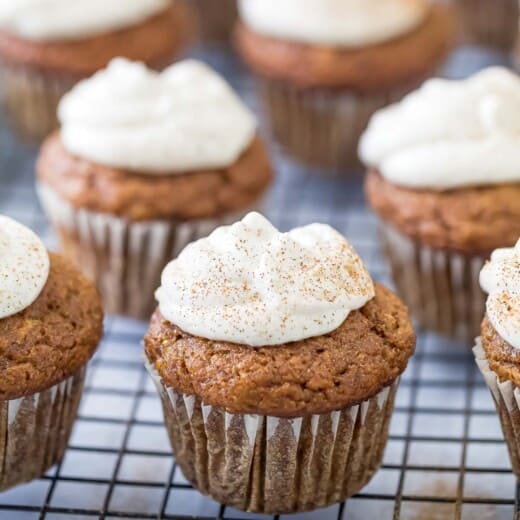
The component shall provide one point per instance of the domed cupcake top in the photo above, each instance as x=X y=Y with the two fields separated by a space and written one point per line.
x=24 y=267
x=183 y=119
x=250 y=284
x=449 y=134
x=500 y=278
x=349 y=23
x=48 y=20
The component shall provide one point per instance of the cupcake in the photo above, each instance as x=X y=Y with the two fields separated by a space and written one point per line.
x=50 y=325
x=444 y=180
x=277 y=360
x=498 y=349
x=489 y=23
x=46 y=46
x=143 y=164
x=325 y=66
x=214 y=19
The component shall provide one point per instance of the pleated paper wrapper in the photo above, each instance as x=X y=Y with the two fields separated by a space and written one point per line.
x=30 y=99
x=214 y=20
x=35 y=430
x=124 y=259
x=489 y=23
x=506 y=396
x=441 y=288
x=276 y=465
x=321 y=127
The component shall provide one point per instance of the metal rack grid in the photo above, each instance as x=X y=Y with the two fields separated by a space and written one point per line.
x=445 y=458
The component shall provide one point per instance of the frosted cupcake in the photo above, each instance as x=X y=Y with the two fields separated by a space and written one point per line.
x=325 y=66
x=277 y=360
x=498 y=348
x=46 y=46
x=143 y=164
x=444 y=179
x=50 y=325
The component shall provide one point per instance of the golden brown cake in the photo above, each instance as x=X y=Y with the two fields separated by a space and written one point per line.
x=473 y=220
x=54 y=337
x=136 y=196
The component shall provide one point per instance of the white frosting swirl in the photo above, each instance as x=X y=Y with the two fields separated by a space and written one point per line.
x=24 y=267
x=450 y=134
x=49 y=20
x=250 y=284
x=346 y=23
x=500 y=278
x=183 y=119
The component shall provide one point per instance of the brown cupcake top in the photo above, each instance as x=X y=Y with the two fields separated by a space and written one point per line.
x=469 y=220
x=503 y=358
x=373 y=68
x=317 y=375
x=154 y=41
x=183 y=196
x=53 y=337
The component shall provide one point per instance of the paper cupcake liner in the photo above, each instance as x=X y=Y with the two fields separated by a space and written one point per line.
x=275 y=465
x=123 y=258
x=215 y=19
x=506 y=396
x=35 y=430
x=440 y=288
x=321 y=127
x=491 y=23
x=30 y=99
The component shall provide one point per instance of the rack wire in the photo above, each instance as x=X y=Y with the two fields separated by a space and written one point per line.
x=446 y=458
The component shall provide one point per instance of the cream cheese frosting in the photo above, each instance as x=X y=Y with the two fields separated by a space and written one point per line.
x=49 y=20
x=348 y=23
x=251 y=284
x=500 y=278
x=449 y=134
x=183 y=119
x=24 y=267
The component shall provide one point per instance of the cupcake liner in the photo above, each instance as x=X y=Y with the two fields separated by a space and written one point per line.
x=30 y=99
x=321 y=127
x=506 y=396
x=274 y=465
x=123 y=258
x=440 y=287
x=215 y=19
x=489 y=23
x=35 y=430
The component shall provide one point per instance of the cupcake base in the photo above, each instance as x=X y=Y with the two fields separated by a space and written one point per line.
x=489 y=23
x=215 y=19
x=440 y=288
x=506 y=396
x=35 y=430
x=275 y=465
x=123 y=258
x=321 y=127
x=30 y=99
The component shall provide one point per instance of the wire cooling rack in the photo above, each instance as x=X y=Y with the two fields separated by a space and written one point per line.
x=446 y=458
